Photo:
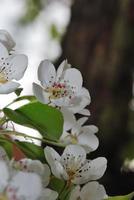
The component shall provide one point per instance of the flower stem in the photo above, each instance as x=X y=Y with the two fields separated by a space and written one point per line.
x=15 y=133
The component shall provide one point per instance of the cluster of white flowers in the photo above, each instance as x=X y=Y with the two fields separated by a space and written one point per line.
x=27 y=179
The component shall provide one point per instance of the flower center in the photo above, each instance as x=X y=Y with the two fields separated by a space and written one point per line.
x=2 y=78
x=74 y=139
x=58 y=90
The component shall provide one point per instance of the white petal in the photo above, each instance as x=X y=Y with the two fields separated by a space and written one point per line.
x=6 y=39
x=91 y=170
x=3 y=53
x=73 y=156
x=15 y=66
x=59 y=102
x=8 y=87
x=90 y=129
x=59 y=171
x=46 y=73
x=69 y=119
x=73 y=78
x=48 y=194
x=85 y=112
x=35 y=166
x=4 y=175
x=27 y=185
x=53 y=159
x=93 y=190
x=51 y=154
x=77 y=127
x=89 y=141
x=97 y=168
x=75 y=193
x=82 y=120
x=79 y=103
x=40 y=94
x=61 y=70
x=66 y=138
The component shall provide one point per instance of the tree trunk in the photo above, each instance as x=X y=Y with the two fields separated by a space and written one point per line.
x=100 y=42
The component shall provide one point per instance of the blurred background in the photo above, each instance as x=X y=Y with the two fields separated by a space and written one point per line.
x=97 y=37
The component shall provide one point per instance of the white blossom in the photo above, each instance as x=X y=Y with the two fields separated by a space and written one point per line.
x=82 y=135
x=25 y=179
x=61 y=88
x=7 y=40
x=90 y=191
x=12 y=67
x=73 y=166
x=35 y=166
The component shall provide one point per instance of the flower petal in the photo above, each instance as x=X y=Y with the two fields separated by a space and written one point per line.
x=3 y=54
x=93 y=190
x=6 y=39
x=27 y=186
x=69 y=119
x=51 y=155
x=48 y=194
x=15 y=66
x=77 y=127
x=46 y=73
x=61 y=70
x=53 y=159
x=8 y=87
x=75 y=193
x=73 y=157
x=74 y=78
x=89 y=141
x=40 y=94
x=79 y=103
x=4 y=175
x=85 y=112
x=97 y=168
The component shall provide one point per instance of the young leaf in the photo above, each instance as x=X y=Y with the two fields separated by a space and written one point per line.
x=46 y=119
x=125 y=197
x=31 y=150
x=18 y=91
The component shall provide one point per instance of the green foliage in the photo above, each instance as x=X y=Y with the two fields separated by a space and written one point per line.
x=6 y=144
x=33 y=8
x=54 y=32
x=31 y=150
x=126 y=197
x=18 y=91
x=46 y=119
x=57 y=184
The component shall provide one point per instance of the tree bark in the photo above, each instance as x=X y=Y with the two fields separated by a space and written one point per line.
x=100 y=42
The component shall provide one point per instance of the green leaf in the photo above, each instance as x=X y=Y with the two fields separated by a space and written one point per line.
x=125 y=197
x=18 y=91
x=46 y=119
x=6 y=144
x=31 y=150
x=26 y=97
x=57 y=184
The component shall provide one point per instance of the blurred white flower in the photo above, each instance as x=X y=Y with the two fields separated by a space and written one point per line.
x=82 y=135
x=7 y=40
x=92 y=190
x=73 y=165
x=22 y=185
x=17 y=187
x=12 y=67
x=62 y=88
x=28 y=165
